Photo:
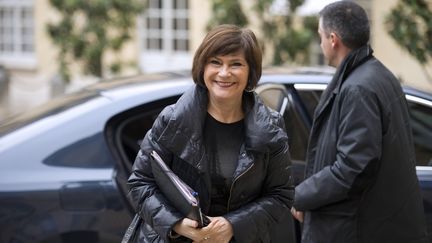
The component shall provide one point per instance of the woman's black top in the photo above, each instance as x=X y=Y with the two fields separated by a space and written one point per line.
x=222 y=143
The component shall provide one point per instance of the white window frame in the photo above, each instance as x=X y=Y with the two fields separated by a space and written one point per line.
x=17 y=57
x=166 y=58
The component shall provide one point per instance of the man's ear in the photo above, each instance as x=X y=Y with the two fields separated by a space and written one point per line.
x=334 y=39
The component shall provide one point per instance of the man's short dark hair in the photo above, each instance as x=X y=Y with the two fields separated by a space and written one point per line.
x=228 y=39
x=348 y=20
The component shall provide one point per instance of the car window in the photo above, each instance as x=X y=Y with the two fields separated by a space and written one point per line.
x=128 y=129
x=298 y=133
x=133 y=130
x=310 y=99
x=283 y=101
x=274 y=98
x=92 y=151
x=421 y=124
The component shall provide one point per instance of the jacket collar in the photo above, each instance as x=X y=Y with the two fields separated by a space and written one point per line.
x=183 y=134
x=354 y=59
x=348 y=65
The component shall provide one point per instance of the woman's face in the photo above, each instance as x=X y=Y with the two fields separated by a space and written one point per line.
x=226 y=76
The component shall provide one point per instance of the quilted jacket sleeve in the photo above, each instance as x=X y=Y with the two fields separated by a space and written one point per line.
x=148 y=201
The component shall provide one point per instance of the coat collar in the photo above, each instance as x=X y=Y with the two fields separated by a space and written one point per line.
x=348 y=65
x=183 y=134
x=354 y=59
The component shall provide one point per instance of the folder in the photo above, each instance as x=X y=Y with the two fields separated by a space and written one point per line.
x=178 y=193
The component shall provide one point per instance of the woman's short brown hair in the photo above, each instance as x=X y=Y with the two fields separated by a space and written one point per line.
x=224 y=40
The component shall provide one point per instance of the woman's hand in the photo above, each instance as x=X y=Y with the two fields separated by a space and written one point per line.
x=219 y=230
x=187 y=227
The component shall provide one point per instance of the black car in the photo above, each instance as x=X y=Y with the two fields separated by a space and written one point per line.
x=64 y=165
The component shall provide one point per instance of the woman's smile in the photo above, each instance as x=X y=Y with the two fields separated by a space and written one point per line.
x=224 y=84
x=226 y=77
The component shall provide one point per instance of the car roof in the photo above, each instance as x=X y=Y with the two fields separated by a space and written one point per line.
x=108 y=89
x=118 y=88
x=142 y=79
x=319 y=75
x=287 y=75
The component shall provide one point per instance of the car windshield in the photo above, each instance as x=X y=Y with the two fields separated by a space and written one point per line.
x=50 y=108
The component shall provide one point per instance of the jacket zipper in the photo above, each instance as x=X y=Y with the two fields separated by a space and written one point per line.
x=232 y=185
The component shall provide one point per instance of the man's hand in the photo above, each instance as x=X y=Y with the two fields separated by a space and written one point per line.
x=299 y=215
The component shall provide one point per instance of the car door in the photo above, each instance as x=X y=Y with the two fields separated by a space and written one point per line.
x=287 y=101
x=420 y=108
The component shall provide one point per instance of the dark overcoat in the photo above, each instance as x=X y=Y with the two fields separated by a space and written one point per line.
x=361 y=184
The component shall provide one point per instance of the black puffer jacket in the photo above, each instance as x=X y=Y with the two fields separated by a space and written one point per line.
x=260 y=194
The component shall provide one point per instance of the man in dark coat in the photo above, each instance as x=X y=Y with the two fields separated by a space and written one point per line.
x=361 y=183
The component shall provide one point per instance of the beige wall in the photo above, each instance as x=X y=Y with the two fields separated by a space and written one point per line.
x=200 y=12
x=397 y=60
x=46 y=54
x=44 y=51
x=30 y=85
x=401 y=63
x=200 y=15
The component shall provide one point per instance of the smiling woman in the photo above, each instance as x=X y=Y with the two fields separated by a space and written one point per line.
x=227 y=69
x=226 y=145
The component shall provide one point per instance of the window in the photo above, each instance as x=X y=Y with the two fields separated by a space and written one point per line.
x=274 y=98
x=16 y=32
x=129 y=128
x=165 y=36
x=421 y=124
x=420 y=114
x=166 y=25
x=286 y=102
x=92 y=150
x=310 y=99
x=282 y=100
x=154 y=27
x=298 y=132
